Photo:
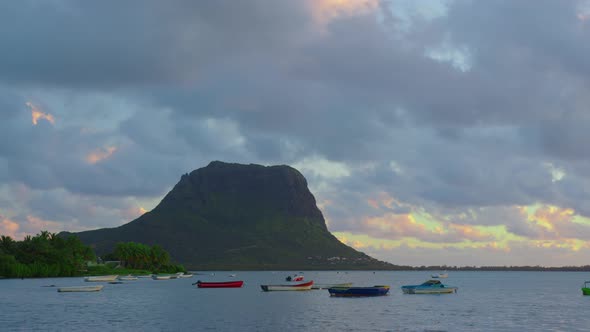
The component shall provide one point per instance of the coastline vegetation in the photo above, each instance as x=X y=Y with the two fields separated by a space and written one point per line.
x=50 y=255
x=140 y=257
x=43 y=255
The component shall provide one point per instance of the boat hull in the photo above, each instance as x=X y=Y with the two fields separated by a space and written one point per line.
x=358 y=291
x=220 y=284
x=426 y=290
x=585 y=291
x=80 y=289
x=299 y=287
x=101 y=278
x=161 y=277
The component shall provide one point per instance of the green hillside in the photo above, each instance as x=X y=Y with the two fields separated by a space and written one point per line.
x=233 y=216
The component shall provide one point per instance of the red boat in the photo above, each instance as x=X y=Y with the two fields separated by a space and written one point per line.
x=219 y=284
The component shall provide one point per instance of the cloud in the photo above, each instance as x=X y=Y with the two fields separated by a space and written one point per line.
x=460 y=114
x=100 y=154
x=36 y=114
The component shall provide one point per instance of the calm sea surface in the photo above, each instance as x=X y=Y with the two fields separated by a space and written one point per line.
x=486 y=301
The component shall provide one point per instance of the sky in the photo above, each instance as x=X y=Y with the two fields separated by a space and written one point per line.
x=431 y=132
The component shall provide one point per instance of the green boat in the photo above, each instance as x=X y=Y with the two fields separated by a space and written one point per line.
x=586 y=288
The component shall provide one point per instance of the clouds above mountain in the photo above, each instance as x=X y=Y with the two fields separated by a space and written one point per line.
x=431 y=124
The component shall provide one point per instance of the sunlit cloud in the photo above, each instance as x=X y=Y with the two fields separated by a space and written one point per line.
x=100 y=154
x=8 y=227
x=133 y=212
x=322 y=167
x=324 y=11
x=37 y=114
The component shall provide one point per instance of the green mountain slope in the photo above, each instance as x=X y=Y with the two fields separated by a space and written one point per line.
x=233 y=216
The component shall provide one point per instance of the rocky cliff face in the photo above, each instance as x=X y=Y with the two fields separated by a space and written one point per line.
x=234 y=216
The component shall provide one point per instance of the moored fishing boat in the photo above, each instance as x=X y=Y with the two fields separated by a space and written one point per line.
x=161 y=276
x=219 y=284
x=295 y=287
x=101 y=278
x=294 y=278
x=80 y=289
x=127 y=278
x=429 y=287
x=326 y=286
x=586 y=288
x=359 y=291
x=441 y=275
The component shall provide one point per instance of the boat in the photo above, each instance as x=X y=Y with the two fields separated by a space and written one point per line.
x=101 y=278
x=186 y=275
x=359 y=291
x=145 y=276
x=440 y=275
x=219 y=284
x=326 y=286
x=80 y=289
x=294 y=278
x=295 y=287
x=127 y=278
x=429 y=287
x=161 y=277
x=586 y=288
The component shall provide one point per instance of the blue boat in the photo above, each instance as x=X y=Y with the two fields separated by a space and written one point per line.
x=429 y=287
x=358 y=291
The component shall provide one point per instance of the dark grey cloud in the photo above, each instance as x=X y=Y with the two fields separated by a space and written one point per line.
x=173 y=85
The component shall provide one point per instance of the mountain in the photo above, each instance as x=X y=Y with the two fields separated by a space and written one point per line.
x=234 y=216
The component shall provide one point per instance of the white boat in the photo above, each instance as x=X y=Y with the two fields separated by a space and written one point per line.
x=186 y=275
x=161 y=277
x=440 y=275
x=101 y=278
x=326 y=286
x=145 y=276
x=80 y=289
x=127 y=278
x=298 y=287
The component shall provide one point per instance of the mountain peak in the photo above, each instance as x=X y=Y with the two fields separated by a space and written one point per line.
x=228 y=215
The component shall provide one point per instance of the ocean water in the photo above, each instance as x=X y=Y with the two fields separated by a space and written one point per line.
x=485 y=301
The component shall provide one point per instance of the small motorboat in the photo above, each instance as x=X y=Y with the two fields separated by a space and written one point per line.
x=80 y=289
x=429 y=287
x=294 y=278
x=101 y=278
x=295 y=287
x=359 y=291
x=586 y=288
x=181 y=275
x=440 y=275
x=219 y=284
x=326 y=286
x=161 y=276
x=127 y=278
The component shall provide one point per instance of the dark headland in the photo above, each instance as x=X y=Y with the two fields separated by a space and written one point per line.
x=241 y=217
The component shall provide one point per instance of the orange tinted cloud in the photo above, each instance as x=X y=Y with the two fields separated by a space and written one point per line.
x=133 y=212
x=8 y=227
x=470 y=232
x=397 y=226
x=36 y=224
x=100 y=154
x=324 y=11
x=549 y=216
x=37 y=114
